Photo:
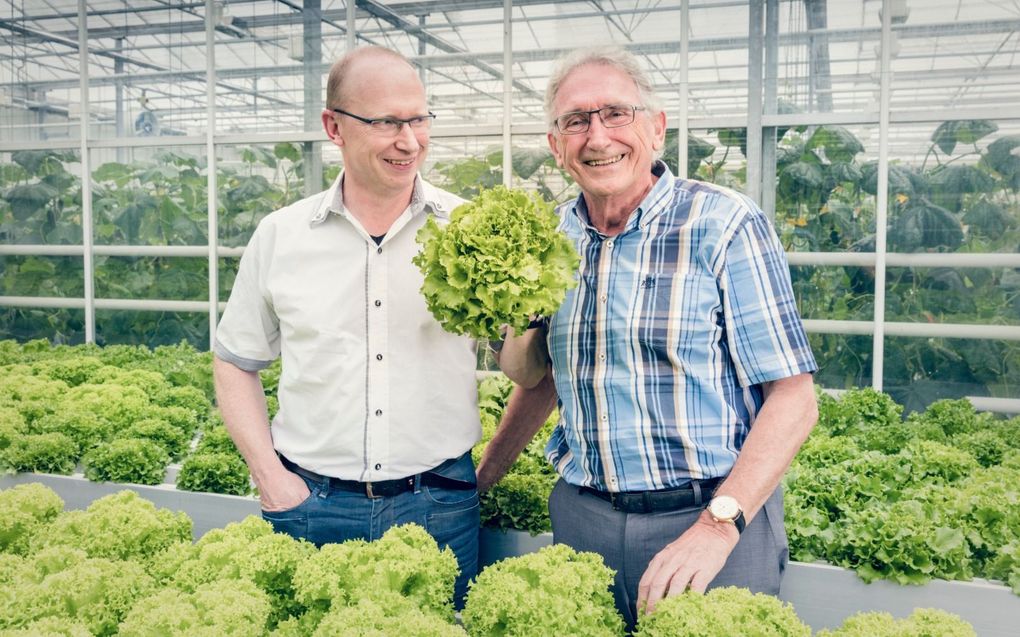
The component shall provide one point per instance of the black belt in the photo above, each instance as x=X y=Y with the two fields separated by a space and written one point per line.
x=381 y=488
x=695 y=494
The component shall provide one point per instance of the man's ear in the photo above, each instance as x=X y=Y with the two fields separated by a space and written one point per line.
x=659 y=126
x=332 y=128
x=555 y=147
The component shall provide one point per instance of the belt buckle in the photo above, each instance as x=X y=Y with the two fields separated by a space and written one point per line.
x=368 y=491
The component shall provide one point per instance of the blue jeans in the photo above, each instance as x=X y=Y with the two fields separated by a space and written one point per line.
x=451 y=516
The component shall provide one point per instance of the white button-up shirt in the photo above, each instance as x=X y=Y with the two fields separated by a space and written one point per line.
x=372 y=388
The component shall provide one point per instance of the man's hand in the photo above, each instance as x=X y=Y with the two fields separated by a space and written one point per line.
x=691 y=561
x=285 y=491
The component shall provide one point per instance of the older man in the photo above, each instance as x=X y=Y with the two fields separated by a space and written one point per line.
x=365 y=437
x=680 y=362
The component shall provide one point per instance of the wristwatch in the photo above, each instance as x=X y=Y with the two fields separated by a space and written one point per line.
x=724 y=508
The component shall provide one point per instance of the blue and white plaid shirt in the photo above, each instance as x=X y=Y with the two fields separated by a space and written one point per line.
x=660 y=352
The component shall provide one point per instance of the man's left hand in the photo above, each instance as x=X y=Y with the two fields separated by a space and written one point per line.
x=690 y=562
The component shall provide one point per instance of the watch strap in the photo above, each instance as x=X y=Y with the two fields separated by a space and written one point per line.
x=739 y=522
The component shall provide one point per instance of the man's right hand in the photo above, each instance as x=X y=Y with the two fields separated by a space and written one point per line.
x=285 y=491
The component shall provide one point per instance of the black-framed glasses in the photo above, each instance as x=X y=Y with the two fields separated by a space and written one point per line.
x=391 y=125
x=612 y=116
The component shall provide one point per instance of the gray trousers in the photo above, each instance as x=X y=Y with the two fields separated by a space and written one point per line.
x=629 y=541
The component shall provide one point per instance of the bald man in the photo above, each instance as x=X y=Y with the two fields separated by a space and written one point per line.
x=378 y=405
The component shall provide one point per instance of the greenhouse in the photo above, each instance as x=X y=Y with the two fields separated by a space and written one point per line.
x=143 y=143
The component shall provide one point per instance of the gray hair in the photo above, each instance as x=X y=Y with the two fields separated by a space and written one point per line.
x=607 y=55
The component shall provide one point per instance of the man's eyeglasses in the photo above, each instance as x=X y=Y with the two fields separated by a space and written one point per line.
x=612 y=116
x=391 y=125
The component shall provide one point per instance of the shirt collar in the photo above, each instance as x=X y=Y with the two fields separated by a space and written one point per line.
x=422 y=196
x=649 y=208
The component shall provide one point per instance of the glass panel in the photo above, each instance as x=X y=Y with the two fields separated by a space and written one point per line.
x=227 y=273
x=132 y=327
x=42 y=276
x=61 y=326
x=459 y=54
x=953 y=295
x=164 y=278
x=535 y=169
x=834 y=293
x=464 y=165
x=714 y=154
x=147 y=70
x=844 y=361
x=271 y=64
x=825 y=178
x=919 y=371
x=40 y=197
x=39 y=72
x=255 y=180
x=828 y=57
x=952 y=187
x=954 y=55
x=718 y=58
x=149 y=196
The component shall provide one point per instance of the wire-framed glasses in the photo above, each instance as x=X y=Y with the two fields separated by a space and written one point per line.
x=612 y=116
x=391 y=125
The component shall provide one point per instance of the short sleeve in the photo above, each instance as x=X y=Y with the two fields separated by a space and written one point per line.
x=765 y=333
x=248 y=334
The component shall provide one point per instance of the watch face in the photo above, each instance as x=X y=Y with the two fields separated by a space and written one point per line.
x=724 y=507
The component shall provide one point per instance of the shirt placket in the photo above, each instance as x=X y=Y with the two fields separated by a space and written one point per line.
x=603 y=406
x=377 y=434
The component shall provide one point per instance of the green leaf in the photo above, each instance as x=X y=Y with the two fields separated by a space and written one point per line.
x=1003 y=157
x=112 y=171
x=950 y=182
x=988 y=219
x=902 y=180
x=734 y=137
x=528 y=160
x=838 y=143
x=923 y=225
x=28 y=199
x=287 y=150
x=948 y=134
x=846 y=172
x=801 y=179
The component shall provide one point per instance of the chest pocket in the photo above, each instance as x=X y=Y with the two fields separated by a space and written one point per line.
x=678 y=308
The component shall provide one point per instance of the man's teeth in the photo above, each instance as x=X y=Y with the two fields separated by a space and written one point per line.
x=604 y=162
x=398 y=162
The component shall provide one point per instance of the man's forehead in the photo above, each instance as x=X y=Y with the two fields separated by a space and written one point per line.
x=592 y=85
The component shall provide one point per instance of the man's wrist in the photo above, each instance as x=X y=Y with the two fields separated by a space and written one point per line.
x=725 y=509
x=726 y=530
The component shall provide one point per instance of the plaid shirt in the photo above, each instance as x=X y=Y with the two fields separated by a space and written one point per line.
x=660 y=352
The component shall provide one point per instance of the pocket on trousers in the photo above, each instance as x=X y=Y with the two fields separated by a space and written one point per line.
x=451 y=497
x=461 y=517
x=293 y=521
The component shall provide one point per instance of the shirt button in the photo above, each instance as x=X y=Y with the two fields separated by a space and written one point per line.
x=378 y=250
x=602 y=357
x=609 y=244
x=605 y=416
x=603 y=298
x=378 y=466
x=378 y=412
x=378 y=303
x=378 y=357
